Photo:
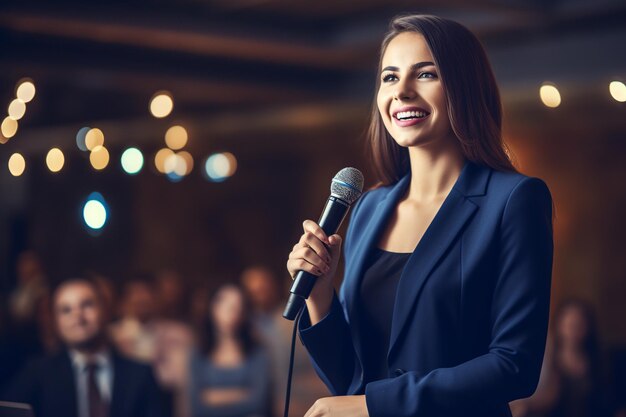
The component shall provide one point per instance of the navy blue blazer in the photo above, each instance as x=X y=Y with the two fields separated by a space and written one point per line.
x=471 y=311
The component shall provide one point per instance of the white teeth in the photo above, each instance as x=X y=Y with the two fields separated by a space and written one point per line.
x=410 y=114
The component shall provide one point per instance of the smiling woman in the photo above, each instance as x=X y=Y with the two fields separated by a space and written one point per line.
x=443 y=309
x=450 y=72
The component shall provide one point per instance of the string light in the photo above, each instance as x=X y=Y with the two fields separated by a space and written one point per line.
x=25 y=92
x=17 y=164
x=550 y=95
x=8 y=127
x=618 y=91
x=176 y=137
x=94 y=138
x=161 y=104
x=99 y=157
x=132 y=161
x=55 y=160
x=16 y=109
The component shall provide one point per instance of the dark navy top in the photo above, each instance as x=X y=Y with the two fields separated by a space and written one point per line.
x=378 y=294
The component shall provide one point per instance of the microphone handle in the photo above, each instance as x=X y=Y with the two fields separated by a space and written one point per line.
x=330 y=220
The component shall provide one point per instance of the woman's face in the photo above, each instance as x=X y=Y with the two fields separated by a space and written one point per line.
x=411 y=100
x=227 y=309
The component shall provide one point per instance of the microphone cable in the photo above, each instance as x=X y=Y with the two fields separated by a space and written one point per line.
x=291 y=357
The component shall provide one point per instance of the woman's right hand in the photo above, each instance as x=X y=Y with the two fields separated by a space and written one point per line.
x=318 y=254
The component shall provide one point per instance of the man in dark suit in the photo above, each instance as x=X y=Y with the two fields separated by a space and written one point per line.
x=87 y=378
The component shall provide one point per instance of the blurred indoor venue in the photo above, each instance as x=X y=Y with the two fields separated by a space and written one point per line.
x=167 y=153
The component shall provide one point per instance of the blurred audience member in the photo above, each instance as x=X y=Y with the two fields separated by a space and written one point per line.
x=265 y=293
x=107 y=291
x=572 y=379
x=174 y=341
x=87 y=378
x=230 y=376
x=27 y=330
x=133 y=332
x=32 y=286
x=172 y=297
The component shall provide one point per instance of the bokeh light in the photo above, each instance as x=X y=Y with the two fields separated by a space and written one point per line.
x=17 y=164
x=25 y=91
x=550 y=95
x=618 y=91
x=16 y=109
x=99 y=157
x=188 y=161
x=94 y=138
x=132 y=161
x=220 y=166
x=8 y=127
x=175 y=164
x=95 y=211
x=161 y=104
x=160 y=158
x=81 y=137
x=176 y=137
x=55 y=160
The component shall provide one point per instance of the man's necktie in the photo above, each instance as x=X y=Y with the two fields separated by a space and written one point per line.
x=97 y=405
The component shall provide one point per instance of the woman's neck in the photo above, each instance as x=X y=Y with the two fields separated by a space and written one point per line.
x=434 y=170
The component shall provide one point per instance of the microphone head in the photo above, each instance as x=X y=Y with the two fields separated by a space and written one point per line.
x=347 y=185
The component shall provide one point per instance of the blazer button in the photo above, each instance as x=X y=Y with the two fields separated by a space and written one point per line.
x=399 y=371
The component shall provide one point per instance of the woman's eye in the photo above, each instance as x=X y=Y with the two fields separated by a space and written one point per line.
x=426 y=75
x=388 y=77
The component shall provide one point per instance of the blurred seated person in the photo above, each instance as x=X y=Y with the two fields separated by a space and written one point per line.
x=172 y=295
x=87 y=378
x=230 y=377
x=133 y=332
x=572 y=381
x=266 y=296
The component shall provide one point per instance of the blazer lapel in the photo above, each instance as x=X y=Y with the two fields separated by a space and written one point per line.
x=364 y=247
x=120 y=380
x=444 y=229
x=65 y=390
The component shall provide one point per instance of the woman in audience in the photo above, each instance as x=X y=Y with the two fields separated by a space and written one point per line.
x=571 y=382
x=230 y=375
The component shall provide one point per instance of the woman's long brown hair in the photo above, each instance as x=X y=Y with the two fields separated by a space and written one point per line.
x=472 y=97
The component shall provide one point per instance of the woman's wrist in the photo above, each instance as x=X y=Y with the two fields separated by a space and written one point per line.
x=318 y=304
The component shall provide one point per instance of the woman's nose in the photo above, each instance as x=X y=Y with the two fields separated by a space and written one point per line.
x=404 y=91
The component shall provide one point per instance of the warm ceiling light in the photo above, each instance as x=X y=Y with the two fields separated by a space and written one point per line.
x=17 y=109
x=176 y=137
x=9 y=127
x=99 y=157
x=618 y=91
x=550 y=95
x=25 y=91
x=161 y=104
x=188 y=161
x=55 y=160
x=94 y=138
x=160 y=158
x=17 y=164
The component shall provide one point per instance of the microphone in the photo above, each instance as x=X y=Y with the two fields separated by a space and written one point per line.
x=345 y=188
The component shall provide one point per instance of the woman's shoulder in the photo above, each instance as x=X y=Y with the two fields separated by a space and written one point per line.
x=507 y=185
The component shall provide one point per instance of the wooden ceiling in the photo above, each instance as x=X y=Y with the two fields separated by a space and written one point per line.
x=224 y=58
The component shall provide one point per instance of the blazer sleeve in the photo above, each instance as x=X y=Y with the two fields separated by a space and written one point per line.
x=519 y=319
x=329 y=342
